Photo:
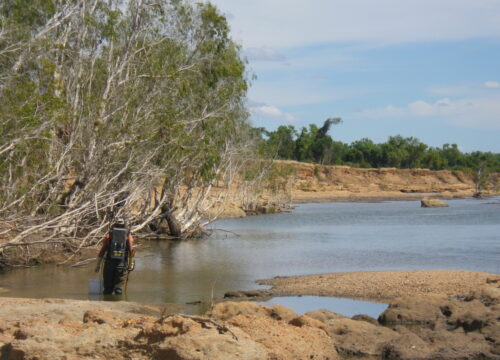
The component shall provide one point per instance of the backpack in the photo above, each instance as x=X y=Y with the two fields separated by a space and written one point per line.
x=118 y=244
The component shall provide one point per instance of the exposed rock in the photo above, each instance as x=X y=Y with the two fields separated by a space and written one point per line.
x=489 y=295
x=436 y=327
x=440 y=344
x=279 y=312
x=359 y=338
x=247 y=294
x=284 y=341
x=405 y=346
x=478 y=195
x=234 y=294
x=324 y=315
x=305 y=320
x=414 y=311
x=250 y=332
x=182 y=338
x=363 y=317
x=255 y=333
x=227 y=310
x=99 y=317
x=428 y=202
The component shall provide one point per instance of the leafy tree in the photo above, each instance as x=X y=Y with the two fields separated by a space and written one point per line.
x=322 y=143
x=282 y=141
x=452 y=155
x=337 y=154
x=304 y=143
x=416 y=151
x=120 y=106
x=365 y=153
x=313 y=144
x=433 y=159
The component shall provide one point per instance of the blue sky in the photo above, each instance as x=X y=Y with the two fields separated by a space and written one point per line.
x=427 y=68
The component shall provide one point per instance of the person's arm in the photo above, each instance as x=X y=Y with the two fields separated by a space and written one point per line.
x=131 y=248
x=104 y=248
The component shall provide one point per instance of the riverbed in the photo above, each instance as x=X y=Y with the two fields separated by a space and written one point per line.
x=314 y=238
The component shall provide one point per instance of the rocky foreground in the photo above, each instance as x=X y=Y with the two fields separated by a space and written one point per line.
x=432 y=324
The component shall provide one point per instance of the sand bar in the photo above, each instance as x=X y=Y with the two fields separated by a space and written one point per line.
x=383 y=286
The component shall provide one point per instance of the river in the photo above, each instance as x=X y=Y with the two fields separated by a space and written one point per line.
x=314 y=238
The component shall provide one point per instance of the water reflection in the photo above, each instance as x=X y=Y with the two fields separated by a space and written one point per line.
x=346 y=307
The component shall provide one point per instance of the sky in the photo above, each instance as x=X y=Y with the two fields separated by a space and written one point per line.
x=423 y=68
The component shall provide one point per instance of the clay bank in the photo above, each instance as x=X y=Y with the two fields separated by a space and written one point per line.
x=299 y=182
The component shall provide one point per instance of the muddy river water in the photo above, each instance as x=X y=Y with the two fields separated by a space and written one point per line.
x=314 y=238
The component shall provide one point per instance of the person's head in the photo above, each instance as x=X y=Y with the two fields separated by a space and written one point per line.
x=119 y=222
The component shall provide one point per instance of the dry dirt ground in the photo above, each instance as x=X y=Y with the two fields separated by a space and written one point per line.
x=432 y=315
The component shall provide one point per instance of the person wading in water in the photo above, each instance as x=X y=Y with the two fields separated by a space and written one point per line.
x=118 y=247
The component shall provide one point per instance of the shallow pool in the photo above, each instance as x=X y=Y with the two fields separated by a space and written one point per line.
x=346 y=307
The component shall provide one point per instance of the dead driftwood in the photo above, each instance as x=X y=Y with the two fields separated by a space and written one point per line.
x=83 y=262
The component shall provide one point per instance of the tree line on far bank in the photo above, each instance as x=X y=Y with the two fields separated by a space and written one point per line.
x=314 y=145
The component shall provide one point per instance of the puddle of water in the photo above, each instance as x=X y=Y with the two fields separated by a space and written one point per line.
x=346 y=307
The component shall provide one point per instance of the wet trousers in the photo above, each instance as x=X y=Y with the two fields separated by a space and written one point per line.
x=114 y=277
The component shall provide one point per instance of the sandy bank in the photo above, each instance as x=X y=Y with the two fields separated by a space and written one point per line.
x=383 y=286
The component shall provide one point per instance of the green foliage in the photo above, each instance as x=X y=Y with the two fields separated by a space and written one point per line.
x=278 y=177
x=27 y=13
x=282 y=142
x=314 y=145
x=316 y=172
x=123 y=90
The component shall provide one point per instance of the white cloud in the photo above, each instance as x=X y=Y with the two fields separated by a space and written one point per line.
x=271 y=111
x=268 y=110
x=492 y=84
x=467 y=112
x=287 y=23
x=421 y=108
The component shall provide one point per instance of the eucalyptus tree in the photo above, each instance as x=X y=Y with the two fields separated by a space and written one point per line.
x=116 y=107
